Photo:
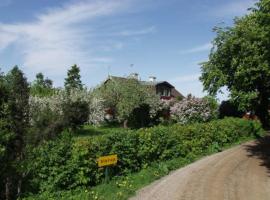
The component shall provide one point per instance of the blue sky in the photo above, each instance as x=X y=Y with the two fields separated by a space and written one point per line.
x=166 y=39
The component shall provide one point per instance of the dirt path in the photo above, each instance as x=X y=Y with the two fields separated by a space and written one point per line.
x=240 y=173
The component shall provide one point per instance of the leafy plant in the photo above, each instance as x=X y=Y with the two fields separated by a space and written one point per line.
x=70 y=163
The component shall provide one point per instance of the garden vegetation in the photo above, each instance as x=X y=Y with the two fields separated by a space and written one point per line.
x=44 y=156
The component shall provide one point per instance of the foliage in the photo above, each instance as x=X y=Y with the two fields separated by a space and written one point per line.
x=229 y=109
x=192 y=109
x=6 y=136
x=50 y=114
x=14 y=123
x=213 y=104
x=93 y=130
x=57 y=166
x=46 y=116
x=127 y=96
x=96 y=111
x=73 y=80
x=123 y=187
x=41 y=87
x=53 y=158
x=75 y=113
x=240 y=60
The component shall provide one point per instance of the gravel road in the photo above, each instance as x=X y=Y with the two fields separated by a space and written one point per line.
x=240 y=173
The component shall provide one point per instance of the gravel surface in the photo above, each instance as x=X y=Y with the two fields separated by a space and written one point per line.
x=240 y=173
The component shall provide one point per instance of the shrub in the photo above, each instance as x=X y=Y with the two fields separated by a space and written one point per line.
x=228 y=109
x=192 y=109
x=75 y=113
x=66 y=163
x=72 y=108
x=96 y=111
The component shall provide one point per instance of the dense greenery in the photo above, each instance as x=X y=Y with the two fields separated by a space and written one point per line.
x=68 y=163
x=229 y=109
x=240 y=60
x=73 y=80
x=130 y=100
x=123 y=187
x=14 y=124
x=41 y=87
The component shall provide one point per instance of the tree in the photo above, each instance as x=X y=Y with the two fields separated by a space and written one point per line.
x=129 y=99
x=17 y=114
x=5 y=136
x=228 y=109
x=240 y=60
x=73 y=80
x=41 y=86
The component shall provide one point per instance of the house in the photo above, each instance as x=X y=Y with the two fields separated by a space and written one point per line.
x=163 y=88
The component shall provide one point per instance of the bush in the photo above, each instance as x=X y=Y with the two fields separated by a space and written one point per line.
x=228 y=109
x=68 y=163
x=193 y=109
x=75 y=113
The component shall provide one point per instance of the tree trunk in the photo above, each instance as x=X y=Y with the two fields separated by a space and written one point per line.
x=8 y=188
x=262 y=112
x=125 y=124
x=19 y=187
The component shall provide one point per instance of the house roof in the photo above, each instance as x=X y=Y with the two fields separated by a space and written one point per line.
x=175 y=92
x=154 y=83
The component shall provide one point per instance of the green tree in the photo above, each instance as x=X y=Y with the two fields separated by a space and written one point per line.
x=240 y=61
x=5 y=136
x=128 y=98
x=73 y=80
x=17 y=115
x=41 y=86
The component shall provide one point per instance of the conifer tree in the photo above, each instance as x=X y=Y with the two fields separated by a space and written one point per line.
x=73 y=80
x=17 y=114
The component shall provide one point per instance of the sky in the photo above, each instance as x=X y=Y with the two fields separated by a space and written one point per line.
x=166 y=39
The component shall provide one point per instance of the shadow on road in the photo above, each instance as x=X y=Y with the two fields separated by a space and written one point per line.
x=261 y=150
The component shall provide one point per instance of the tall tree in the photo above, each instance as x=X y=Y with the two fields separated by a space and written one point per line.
x=17 y=114
x=41 y=86
x=73 y=80
x=5 y=136
x=240 y=60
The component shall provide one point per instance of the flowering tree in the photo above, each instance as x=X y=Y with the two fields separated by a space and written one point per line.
x=50 y=114
x=96 y=111
x=190 y=110
x=127 y=97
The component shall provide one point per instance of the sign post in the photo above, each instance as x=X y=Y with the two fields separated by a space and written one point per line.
x=107 y=161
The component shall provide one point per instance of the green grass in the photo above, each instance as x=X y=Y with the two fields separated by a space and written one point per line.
x=121 y=188
x=91 y=131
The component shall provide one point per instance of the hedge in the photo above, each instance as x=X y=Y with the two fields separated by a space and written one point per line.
x=70 y=162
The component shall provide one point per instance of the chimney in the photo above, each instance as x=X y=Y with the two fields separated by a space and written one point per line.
x=152 y=78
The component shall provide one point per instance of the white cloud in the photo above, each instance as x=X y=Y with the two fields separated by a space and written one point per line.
x=233 y=8
x=186 y=78
x=144 y=31
x=197 y=49
x=60 y=37
x=6 y=39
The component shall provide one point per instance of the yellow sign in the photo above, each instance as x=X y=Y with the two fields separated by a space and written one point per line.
x=107 y=160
